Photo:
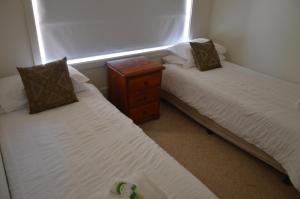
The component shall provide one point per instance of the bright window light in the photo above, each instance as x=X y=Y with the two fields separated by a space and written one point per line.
x=185 y=38
x=38 y=31
x=188 y=20
x=113 y=55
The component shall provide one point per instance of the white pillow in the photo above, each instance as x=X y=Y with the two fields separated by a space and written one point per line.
x=13 y=96
x=78 y=79
x=77 y=76
x=184 y=49
x=79 y=87
x=222 y=57
x=174 y=59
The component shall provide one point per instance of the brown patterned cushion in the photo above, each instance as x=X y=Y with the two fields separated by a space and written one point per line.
x=48 y=86
x=205 y=55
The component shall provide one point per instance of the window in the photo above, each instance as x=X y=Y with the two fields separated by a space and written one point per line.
x=98 y=29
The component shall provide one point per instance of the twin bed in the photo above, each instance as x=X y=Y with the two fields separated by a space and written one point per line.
x=80 y=150
x=256 y=112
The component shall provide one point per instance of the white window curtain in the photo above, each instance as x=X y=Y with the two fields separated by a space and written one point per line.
x=86 y=28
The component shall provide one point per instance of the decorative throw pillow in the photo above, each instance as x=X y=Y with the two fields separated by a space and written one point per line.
x=48 y=86
x=206 y=56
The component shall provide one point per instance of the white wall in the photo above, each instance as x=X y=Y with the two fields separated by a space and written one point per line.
x=15 y=49
x=260 y=34
x=201 y=18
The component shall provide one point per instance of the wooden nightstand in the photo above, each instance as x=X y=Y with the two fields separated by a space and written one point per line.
x=134 y=87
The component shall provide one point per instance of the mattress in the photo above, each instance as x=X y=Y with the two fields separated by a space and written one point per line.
x=257 y=108
x=77 y=151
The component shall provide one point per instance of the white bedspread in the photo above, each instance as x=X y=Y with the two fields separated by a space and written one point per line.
x=258 y=108
x=79 y=150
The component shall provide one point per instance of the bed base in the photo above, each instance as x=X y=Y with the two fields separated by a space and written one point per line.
x=222 y=132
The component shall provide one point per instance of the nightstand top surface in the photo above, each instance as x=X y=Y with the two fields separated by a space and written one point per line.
x=134 y=66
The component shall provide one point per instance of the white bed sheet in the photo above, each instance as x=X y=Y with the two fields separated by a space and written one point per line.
x=256 y=107
x=77 y=151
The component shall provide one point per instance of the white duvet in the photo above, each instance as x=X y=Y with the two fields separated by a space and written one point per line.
x=256 y=107
x=79 y=150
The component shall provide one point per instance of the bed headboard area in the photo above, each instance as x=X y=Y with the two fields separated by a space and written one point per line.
x=4 y=191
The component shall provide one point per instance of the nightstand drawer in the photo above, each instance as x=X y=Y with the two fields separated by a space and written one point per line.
x=144 y=82
x=144 y=97
x=145 y=113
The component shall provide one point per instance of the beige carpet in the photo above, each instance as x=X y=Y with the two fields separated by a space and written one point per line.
x=223 y=168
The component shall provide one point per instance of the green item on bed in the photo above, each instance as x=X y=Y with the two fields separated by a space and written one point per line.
x=126 y=190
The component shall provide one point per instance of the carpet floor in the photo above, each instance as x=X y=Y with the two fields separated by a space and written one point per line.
x=225 y=169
